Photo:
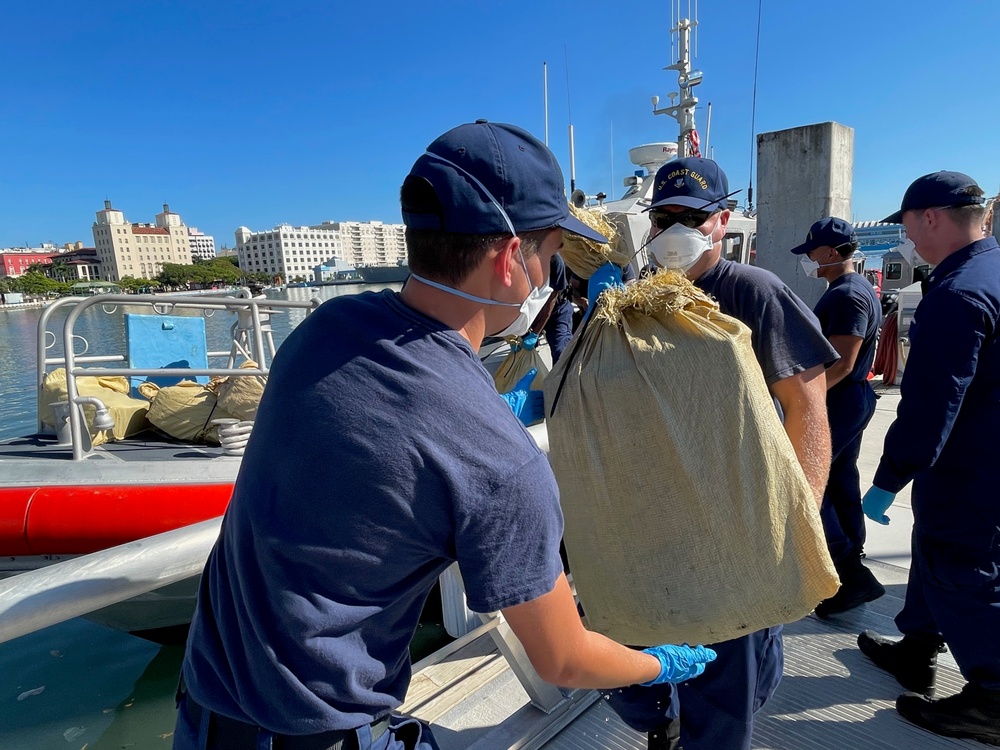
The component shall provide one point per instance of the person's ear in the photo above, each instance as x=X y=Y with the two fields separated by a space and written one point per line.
x=506 y=260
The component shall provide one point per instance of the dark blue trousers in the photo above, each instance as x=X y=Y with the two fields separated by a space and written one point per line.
x=716 y=710
x=850 y=406
x=559 y=329
x=954 y=591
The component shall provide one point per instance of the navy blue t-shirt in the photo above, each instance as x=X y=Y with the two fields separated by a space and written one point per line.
x=849 y=307
x=381 y=453
x=786 y=336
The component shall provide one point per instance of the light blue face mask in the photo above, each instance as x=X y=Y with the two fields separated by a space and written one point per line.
x=537 y=297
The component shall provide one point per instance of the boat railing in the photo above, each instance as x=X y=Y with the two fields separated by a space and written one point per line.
x=250 y=333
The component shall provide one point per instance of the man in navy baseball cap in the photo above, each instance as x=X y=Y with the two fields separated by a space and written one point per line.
x=828 y=232
x=938 y=190
x=691 y=182
x=850 y=316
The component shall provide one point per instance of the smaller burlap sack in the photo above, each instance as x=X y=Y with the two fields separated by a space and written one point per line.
x=240 y=395
x=688 y=517
x=517 y=364
x=185 y=411
x=128 y=413
x=585 y=256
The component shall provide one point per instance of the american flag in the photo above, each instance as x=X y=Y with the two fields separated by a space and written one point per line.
x=695 y=143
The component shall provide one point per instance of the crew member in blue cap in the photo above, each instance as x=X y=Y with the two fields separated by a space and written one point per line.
x=689 y=215
x=944 y=439
x=851 y=316
x=381 y=454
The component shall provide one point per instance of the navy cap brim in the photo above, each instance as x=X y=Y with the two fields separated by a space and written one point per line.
x=574 y=225
x=894 y=218
x=688 y=201
x=805 y=247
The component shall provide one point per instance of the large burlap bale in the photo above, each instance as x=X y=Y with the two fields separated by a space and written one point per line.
x=185 y=411
x=688 y=517
x=240 y=395
x=585 y=256
x=128 y=413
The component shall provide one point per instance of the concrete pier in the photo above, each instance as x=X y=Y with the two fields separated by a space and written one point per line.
x=803 y=174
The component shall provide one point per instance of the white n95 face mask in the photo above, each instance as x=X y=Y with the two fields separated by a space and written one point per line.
x=529 y=308
x=909 y=252
x=679 y=247
x=810 y=267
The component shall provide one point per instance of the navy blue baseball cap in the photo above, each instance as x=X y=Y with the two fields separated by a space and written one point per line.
x=475 y=164
x=830 y=232
x=938 y=190
x=691 y=182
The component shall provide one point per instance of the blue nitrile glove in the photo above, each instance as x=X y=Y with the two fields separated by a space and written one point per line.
x=527 y=405
x=607 y=276
x=679 y=663
x=876 y=502
x=529 y=340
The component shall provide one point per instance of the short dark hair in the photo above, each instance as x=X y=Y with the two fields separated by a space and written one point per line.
x=446 y=256
x=847 y=249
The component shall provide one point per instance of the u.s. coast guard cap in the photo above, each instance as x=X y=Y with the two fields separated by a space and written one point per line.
x=938 y=190
x=470 y=164
x=692 y=182
x=829 y=232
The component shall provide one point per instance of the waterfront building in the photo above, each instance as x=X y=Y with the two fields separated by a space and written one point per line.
x=300 y=252
x=139 y=250
x=15 y=261
x=202 y=245
x=371 y=243
x=286 y=251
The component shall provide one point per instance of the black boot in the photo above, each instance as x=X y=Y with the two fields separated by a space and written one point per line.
x=973 y=713
x=665 y=737
x=857 y=586
x=912 y=660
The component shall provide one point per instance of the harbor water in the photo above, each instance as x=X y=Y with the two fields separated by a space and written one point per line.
x=78 y=685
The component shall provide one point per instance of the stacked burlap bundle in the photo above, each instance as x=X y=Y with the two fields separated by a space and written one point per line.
x=688 y=517
x=585 y=256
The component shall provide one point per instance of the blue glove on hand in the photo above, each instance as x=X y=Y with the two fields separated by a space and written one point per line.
x=527 y=405
x=679 y=663
x=607 y=276
x=876 y=502
x=529 y=340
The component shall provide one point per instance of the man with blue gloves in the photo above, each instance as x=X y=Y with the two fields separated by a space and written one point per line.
x=944 y=440
x=381 y=454
x=689 y=215
x=851 y=316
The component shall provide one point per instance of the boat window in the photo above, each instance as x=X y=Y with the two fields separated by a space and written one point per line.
x=732 y=246
x=893 y=271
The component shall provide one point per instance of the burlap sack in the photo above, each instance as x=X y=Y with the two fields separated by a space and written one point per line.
x=516 y=365
x=688 y=517
x=240 y=395
x=185 y=411
x=128 y=413
x=585 y=256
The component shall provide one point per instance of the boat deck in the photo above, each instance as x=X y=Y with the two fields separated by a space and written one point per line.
x=831 y=696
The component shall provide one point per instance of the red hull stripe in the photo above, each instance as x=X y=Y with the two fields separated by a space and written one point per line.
x=72 y=520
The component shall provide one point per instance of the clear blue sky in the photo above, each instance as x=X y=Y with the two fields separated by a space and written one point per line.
x=264 y=112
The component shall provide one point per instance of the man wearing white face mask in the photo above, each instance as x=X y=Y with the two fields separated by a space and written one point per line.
x=689 y=215
x=381 y=454
x=850 y=315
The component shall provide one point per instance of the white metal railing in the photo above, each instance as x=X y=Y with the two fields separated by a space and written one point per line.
x=46 y=596
x=252 y=313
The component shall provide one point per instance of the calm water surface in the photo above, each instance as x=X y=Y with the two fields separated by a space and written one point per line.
x=78 y=685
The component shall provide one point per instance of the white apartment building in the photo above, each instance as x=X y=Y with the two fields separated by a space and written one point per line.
x=371 y=243
x=202 y=245
x=139 y=250
x=287 y=251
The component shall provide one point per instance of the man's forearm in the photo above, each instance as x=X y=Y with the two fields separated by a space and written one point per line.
x=809 y=431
